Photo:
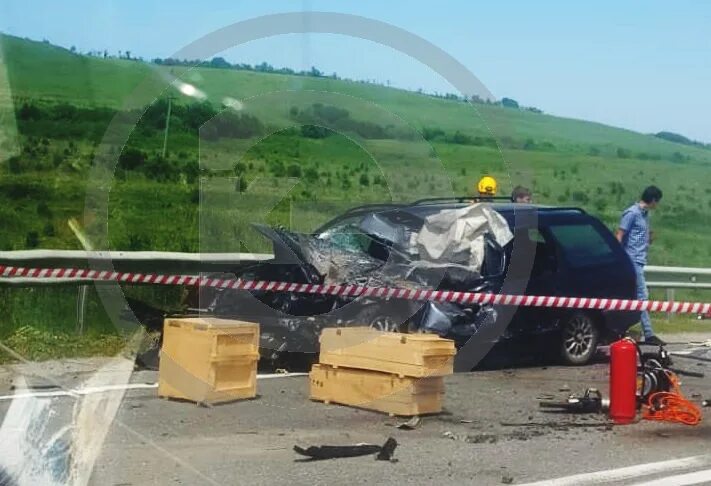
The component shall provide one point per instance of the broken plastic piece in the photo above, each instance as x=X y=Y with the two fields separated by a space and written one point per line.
x=335 y=452
x=317 y=453
x=387 y=451
x=411 y=424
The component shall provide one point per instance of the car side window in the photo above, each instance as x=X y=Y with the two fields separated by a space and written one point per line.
x=583 y=245
x=544 y=260
x=533 y=243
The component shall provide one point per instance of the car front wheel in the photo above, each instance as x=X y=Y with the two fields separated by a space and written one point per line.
x=579 y=338
x=380 y=319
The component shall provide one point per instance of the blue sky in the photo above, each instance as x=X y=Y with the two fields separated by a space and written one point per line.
x=642 y=65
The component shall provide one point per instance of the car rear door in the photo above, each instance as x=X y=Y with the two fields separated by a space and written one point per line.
x=595 y=265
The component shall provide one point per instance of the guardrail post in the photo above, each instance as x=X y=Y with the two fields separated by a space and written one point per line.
x=81 y=306
x=670 y=298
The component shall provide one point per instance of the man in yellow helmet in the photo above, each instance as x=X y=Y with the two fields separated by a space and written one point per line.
x=487 y=187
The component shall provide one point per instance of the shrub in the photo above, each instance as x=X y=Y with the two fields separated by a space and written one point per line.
x=432 y=133
x=294 y=170
x=48 y=230
x=600 y=204
x=623 y=153
x=277 y=168
x=131 y=158
x=509 y=103
x=29 y=111
x=160 y=169
x=14 y=164
x=364 y=180
x=241 y=184
x=311 y=174
x=43 y=210
x=461 y=138
x=240 y=168
x=138 y=242
x=314 y=131
x=580 y=197
x=32 y=240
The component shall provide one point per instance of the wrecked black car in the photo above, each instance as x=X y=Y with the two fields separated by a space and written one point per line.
x=456 y=246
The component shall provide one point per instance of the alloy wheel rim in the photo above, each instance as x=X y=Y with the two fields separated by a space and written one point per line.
x=578 y=336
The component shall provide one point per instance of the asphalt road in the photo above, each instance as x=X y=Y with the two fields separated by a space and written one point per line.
x=492 y=432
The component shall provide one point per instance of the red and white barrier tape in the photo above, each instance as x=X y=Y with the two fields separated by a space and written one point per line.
x=362 y=291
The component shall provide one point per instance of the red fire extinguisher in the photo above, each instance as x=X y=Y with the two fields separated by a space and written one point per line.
x=623 y=381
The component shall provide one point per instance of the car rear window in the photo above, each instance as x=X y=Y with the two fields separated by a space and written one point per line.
x=583 y=245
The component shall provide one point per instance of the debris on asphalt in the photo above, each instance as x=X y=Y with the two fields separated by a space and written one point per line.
x=559 y=425
x=472 y=439
x=387 y=451
x=482 y=439
x=506 y=479
x=318 y=453
x=564 y=388
x=35 y=387
x=524 y=435
x=411 y=424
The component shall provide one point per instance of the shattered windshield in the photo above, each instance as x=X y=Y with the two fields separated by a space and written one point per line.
x=347 y=237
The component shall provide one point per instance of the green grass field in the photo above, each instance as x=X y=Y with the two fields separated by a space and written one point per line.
x=64 y=104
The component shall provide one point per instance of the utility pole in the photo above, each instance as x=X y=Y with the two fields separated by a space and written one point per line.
x=167 y=126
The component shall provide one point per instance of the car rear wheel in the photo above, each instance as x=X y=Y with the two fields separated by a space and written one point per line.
x=579 y=339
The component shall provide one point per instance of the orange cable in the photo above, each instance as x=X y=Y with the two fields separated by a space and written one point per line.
x=671 y=406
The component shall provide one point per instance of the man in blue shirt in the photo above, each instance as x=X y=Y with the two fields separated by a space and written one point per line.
x=635 y=236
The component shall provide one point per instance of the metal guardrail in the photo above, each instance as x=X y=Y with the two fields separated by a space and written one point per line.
x=129 y=261
x=678 y=277
x=151 y=261
x=179 y=262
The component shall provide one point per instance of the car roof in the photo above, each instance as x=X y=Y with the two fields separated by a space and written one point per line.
x=424 y=208
x=427 y=208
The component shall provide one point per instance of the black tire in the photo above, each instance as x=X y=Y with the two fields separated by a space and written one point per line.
x=579 y=338
x=379 y=318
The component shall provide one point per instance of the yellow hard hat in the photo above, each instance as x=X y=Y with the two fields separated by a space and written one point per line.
x=487 y=186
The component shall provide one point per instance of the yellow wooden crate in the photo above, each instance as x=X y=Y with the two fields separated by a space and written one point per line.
x=372 y=390
x=225 y=381
x=416 y=355
x=208 y=360
x=187 y=338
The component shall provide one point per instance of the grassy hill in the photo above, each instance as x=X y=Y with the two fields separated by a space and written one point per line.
x=64 y=102
x=598 y=167
x=44 y=71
